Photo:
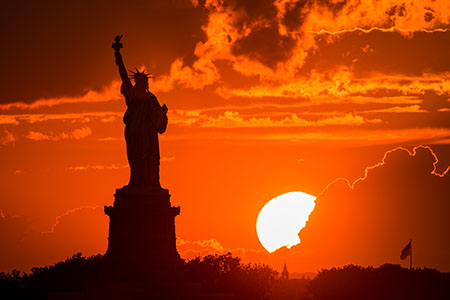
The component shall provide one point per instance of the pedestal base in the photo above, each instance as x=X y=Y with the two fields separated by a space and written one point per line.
x=142 y=242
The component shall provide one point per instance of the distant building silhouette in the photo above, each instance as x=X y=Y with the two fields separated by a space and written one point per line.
x=285 y=273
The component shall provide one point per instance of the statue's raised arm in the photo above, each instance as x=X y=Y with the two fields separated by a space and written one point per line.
x=117 y=45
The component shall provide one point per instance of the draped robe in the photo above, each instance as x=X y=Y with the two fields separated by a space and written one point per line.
x=144 y=119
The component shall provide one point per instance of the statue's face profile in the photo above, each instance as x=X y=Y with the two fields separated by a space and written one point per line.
x=141 y=83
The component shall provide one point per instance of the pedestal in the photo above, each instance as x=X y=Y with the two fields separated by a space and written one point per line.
x=142 y=242
x=142 y=261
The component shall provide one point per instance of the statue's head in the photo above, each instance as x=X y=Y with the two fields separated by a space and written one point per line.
x=141 y=79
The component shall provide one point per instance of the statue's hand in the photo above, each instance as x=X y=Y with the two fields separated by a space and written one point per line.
x=117 y=45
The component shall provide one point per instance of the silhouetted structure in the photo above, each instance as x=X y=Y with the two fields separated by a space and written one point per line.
x=285 y=273
x=144 y=119
x=142 y=239
x=141 y=243
x=407 y=251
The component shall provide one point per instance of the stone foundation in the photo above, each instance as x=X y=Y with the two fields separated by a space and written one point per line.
x=142 y=242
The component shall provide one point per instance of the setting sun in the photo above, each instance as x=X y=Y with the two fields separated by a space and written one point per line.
x=281 y=219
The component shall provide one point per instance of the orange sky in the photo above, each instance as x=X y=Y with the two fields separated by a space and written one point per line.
x=264 y=97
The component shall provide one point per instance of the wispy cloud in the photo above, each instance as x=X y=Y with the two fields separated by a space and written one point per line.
x=191 y=249
x=8 y=119
x=231 y=119
x=67 y=213
x=343 y=85
x=75 y=134
x=110 y=139
x=397 y=109
x=7 y=138
x=360 y=137
x=16 y=119
x=97 y=167
x=109 y=93
x=113 y=166
x=167 y=159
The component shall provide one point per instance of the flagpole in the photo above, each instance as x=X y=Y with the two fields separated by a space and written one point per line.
x=410 y=257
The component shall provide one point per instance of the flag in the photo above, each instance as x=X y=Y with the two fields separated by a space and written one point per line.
x=407 y=251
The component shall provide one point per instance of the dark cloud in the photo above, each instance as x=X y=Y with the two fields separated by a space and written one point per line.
x=428 y=17
x=389 y=53
x=433 y=102
x=397 y=10
x=332 y=5
x=370 y=224
x=252 y=10
x=265 y=45
x=295 y=14
x=56 y=48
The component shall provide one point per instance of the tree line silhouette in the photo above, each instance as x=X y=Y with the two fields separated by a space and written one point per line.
x=228 y=274
x=66 y=276
x=385 y=282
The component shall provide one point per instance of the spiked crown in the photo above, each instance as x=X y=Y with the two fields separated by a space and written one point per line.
x=139 y=75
